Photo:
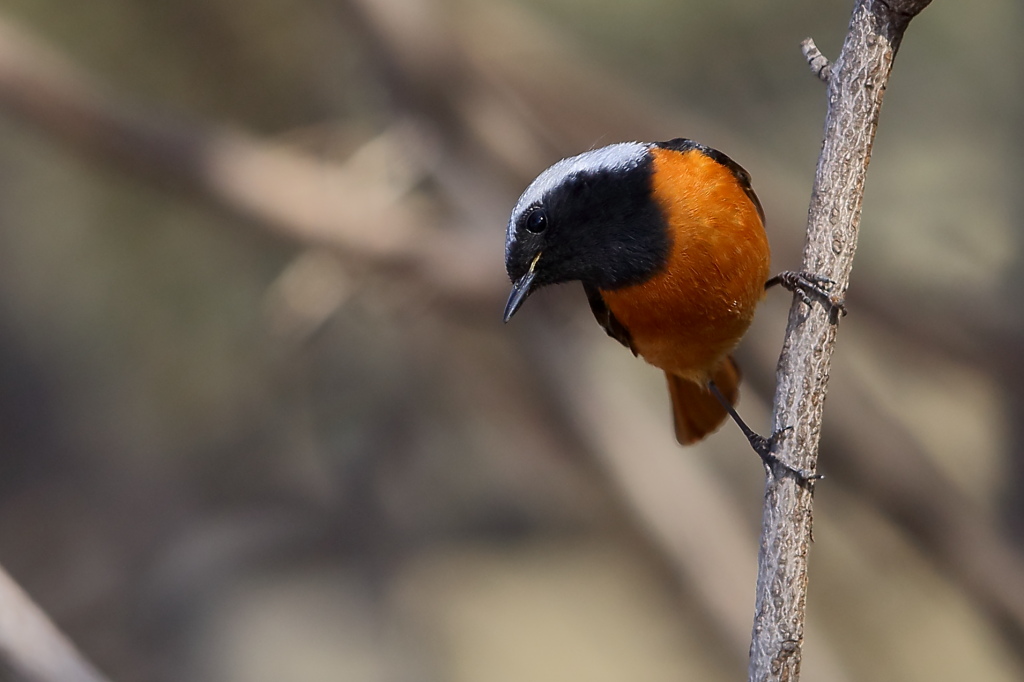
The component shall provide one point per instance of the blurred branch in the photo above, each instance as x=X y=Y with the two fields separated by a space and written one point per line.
x=855 y=90
x=296 y=196
x=860 y=440
x=290 y=194
x=684 y=507
x=32 y=646
x=565 y=108
x=913 y=491
x=984 y=335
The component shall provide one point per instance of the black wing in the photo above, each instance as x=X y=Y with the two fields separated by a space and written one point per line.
x=605 y=318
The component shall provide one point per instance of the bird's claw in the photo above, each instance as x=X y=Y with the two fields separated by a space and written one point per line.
x=763 y=446
x=810 y=287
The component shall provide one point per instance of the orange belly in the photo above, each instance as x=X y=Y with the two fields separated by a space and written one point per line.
x=692 y=313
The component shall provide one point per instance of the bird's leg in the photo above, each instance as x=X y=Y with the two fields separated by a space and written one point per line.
x=762 y=446
x=808 y=287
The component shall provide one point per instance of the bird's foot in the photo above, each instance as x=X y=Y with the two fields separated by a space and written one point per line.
x=810 y=287
x=763 y=447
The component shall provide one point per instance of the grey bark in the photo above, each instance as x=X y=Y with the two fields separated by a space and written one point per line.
x=856 y=86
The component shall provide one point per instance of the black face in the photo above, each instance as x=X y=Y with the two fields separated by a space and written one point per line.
x=599 y=226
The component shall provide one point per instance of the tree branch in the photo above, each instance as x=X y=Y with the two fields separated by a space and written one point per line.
x=855 y=90
x=32 y=646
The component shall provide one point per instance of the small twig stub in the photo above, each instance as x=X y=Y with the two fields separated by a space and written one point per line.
x=818 y=62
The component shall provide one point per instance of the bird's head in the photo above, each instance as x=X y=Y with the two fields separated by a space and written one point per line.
x=591 y=218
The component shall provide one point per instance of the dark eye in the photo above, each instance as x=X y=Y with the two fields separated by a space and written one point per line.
x=536 y=221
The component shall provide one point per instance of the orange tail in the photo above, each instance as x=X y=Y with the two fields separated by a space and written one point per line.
x=696 y=411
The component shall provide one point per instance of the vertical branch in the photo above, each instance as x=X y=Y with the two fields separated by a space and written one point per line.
x=856 y=85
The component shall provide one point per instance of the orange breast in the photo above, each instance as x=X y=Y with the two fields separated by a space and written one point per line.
x=694 y=311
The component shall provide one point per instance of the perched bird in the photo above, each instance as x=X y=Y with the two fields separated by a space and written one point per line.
x=668 y=240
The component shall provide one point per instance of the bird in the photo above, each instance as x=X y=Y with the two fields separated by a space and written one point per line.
x=668 y=240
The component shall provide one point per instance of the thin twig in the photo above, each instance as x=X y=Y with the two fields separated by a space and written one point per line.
x=855 y=91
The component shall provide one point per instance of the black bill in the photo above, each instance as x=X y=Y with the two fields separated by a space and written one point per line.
x=520 y=290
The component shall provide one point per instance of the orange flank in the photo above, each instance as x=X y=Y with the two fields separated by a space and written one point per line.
x=689 y=316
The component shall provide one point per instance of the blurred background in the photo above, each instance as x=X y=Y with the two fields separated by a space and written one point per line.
x=260 y=420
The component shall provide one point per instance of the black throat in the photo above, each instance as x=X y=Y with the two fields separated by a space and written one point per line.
x=610 y=232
